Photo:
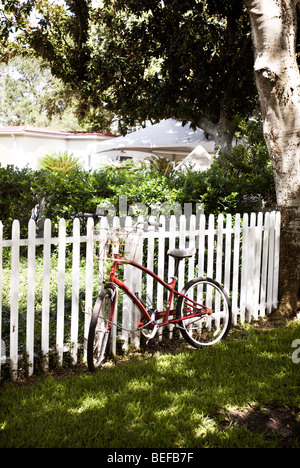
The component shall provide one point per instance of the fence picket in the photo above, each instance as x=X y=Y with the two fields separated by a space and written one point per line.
x=182 y=245
x=210 y=245
x=150 y=263
x=227 y=266
x=201 y=245
x=172 y=244
x=14 y=294
x=89 y=255
x=160 y=264
x=243 y=254
x=114 y=330
x=257 y=266
x=137 y=289
x=219 y=248
x=271 y=263
x=276 y=259
x=264 y=268
x=245 y=251
x=75 y=289
x=46 y=291
x=127 y=322
x=2 y=343
x=250 y=267
x=192 y=244
x=236 y=267
x=61 y=290
x=30 y=295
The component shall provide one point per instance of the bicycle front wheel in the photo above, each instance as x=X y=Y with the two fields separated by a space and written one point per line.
x=99 y=330
x=204 y=329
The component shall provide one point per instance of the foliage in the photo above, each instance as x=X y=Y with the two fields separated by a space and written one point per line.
x=160 y=164
x=61 y=162
x=31 y=95
x=191 y=60
x=239 y=181
x=17 y=197
x=176 y=59
x=64 y=195
x=142 y=186
x=22 y=189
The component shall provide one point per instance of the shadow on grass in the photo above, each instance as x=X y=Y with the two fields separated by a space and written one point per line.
x=226 y=396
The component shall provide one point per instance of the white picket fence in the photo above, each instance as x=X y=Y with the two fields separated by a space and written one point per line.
x=241 y=252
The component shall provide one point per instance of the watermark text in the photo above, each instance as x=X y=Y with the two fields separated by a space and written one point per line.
x=296 y=353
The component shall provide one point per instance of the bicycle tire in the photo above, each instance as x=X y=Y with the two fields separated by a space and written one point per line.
x=206 y=330
x=99 y=330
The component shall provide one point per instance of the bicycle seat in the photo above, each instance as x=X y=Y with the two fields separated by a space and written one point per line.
x=181 y=253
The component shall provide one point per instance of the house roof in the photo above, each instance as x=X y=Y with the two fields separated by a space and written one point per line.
x=50 y=132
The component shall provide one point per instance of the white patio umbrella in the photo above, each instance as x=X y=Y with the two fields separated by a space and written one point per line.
x=197 y=160
x=168 y=139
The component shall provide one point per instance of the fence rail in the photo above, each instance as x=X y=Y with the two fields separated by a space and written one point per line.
x=47 y=284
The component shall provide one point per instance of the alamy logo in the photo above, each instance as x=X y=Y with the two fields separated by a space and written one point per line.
x=140 y=209
x=3 y=348
x=296 y=353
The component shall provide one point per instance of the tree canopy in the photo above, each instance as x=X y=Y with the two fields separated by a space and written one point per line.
x=178 y=59
x=31 y=95
x=189 y=59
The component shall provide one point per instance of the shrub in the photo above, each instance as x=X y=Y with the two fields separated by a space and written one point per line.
x=60 y=162
x=17 y=197
x=240 y=181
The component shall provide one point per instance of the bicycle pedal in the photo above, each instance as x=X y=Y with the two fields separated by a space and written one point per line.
x=153 y=333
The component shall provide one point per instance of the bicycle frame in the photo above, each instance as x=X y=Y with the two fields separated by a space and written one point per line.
x=196 y=309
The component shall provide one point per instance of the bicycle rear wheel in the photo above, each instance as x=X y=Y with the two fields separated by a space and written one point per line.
x=205 y=329
x=99 y=330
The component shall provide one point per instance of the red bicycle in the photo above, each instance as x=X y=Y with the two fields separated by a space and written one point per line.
x=202 y=312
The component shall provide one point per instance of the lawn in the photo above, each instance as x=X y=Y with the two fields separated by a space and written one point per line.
x=243 y=392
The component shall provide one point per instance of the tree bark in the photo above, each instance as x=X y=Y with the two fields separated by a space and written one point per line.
x=274 y=33
x=222 y=132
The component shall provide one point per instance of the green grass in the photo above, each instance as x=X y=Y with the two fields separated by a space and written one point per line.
x=172 y=398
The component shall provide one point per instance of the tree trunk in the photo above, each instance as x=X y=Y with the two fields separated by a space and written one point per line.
x=274 y=32
x=289 y=286
x=223 y=132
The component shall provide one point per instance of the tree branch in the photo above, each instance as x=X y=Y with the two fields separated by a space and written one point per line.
x=207 y=126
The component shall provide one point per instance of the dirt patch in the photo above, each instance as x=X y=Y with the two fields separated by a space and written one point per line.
x=284 y=422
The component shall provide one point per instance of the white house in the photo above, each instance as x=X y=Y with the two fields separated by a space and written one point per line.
x=26 y=146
